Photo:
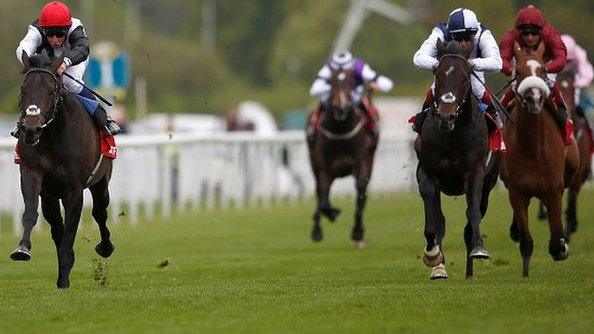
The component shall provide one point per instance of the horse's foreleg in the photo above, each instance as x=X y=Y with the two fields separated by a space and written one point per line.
x=474 y=194
x=324 y=182
x=434 y=220
x=362 y=180
x=322 y=190
x=50 y=206
x=30 y=189
x=557 y=246
x=100 y=193
x=520 y=204
x=73 y=202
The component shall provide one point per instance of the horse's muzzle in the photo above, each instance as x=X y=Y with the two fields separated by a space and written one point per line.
x=32 y=134
x=447 y=122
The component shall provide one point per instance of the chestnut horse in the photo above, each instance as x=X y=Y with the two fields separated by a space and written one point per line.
x=565 y=80
x=60 y=156
x=342 y=146
x=537 y=162
x=454 y=158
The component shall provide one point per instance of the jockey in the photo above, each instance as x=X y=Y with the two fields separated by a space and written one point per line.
x=364 y=75
x=577 y=61
x=59 y=34
x=462 y=26
x=530 y=30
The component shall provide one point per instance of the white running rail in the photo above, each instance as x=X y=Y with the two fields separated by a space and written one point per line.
x=154 y=175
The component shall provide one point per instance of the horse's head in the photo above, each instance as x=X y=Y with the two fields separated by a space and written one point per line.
x=452 y=81
x=40 y=94
x=341 y=102
x=531 y=76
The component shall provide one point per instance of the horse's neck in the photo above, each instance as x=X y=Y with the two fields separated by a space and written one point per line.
x=331 y=124
x=531 y=132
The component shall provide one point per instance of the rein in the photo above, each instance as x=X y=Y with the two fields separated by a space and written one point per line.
x=33 y=110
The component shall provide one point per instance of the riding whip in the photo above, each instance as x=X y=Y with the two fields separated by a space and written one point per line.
x=494 y=98
x=87 y=87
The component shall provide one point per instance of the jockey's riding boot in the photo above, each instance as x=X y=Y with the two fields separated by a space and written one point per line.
x=15 y=131
x=102 y=120
x=564 y=122
x=112 y=127
x=420 y=119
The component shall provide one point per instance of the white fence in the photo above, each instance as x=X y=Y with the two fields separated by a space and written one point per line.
x=154 y=175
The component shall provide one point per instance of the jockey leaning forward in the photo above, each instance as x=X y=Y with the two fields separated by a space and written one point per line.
x=462 y=26
x=529 y=31
x=364 y=75
x=59 y=34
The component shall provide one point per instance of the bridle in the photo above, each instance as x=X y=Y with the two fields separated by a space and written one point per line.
x=346 y=106
x=33 y=110
x=449 y=97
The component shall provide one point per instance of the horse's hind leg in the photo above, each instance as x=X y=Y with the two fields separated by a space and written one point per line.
x=358 y=230
x=542 y=211
x=30 y=188
x=50 y=206
x=322 y=190
x=570 y=211
x=73 y=202
x=474 y=195
x=324 y=183
x=100 y=193
x=520 y=206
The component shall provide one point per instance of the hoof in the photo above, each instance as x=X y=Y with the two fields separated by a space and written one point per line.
x=360 y=244
x=21 y=254
x=514 y=232
x=317 y=235
x=63 y=284
x=331 y=213
x=357 y=234
x=562 y=255
x=433 y=257
x=479 y=253
x=104 y=249
x=438 y=272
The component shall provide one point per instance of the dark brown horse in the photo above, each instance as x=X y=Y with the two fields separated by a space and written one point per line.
x=454 y=158
x=60 y=156
x=342 y=146
x=537 y=162
x=565 y=80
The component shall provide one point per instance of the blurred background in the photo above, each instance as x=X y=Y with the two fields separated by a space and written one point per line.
x=190 y=56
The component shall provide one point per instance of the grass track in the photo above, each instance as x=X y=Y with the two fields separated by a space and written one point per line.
x=257 y=271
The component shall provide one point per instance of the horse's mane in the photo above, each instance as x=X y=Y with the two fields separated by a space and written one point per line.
x=453 y=47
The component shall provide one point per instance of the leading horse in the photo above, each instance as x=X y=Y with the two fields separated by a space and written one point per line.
x=340 y=147
x=60 y=156
x=537 y=162
x=454 y=158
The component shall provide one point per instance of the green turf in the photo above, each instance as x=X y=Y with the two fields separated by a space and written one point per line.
x=257 y=271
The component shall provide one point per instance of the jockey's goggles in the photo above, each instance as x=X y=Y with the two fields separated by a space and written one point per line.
x=55 y=32
x=530 y=30
x=464 y=36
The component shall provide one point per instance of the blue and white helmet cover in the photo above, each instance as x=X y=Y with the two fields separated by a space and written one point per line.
x=462 y=20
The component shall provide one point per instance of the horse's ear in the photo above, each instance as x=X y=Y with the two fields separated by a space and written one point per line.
x=25 y=60
x=540 y=50
x=57 y=63
x=467 y=49
x=440 y=47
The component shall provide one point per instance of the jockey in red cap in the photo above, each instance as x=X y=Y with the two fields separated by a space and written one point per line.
x=58 y=34
x=530 y=30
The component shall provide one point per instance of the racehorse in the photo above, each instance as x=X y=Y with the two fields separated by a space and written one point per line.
x=565 y=80
x=537 y=162
x=454 y=158
x=339 y=147
x=60 y=156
